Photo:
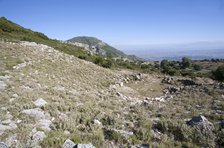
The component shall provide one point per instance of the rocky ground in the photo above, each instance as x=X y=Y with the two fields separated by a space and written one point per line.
x=48 y=97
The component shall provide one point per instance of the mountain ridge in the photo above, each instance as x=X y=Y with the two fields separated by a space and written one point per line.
x=98 y=45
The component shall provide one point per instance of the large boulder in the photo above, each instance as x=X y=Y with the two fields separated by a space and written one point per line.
x=201 y=122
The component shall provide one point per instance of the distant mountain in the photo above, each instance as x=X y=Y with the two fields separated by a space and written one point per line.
x=97 y=46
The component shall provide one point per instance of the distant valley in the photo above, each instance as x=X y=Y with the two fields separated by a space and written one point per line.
x=193 y=51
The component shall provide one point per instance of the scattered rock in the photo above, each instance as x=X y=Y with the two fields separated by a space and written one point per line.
x=40 y=102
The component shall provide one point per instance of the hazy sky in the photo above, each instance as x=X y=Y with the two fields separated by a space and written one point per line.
x=121 y=22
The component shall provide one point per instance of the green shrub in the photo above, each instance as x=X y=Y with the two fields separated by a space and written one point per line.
x=218 y=74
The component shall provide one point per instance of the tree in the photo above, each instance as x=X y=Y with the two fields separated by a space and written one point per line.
x=186 y=62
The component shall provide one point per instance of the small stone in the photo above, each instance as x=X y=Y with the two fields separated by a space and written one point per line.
x=40 y=102
x=66 y=132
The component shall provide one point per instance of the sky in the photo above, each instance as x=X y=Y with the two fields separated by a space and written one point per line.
x=122 y=22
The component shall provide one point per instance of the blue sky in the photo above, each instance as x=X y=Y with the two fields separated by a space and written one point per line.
x=122 y=22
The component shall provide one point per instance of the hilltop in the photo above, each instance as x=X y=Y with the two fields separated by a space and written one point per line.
x=97 y=46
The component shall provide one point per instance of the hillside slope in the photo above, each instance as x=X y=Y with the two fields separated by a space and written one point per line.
x=13 y=32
